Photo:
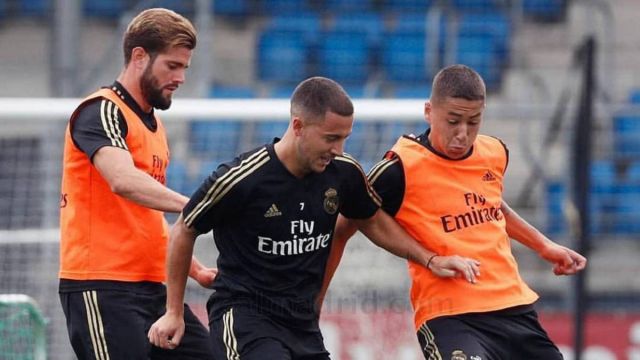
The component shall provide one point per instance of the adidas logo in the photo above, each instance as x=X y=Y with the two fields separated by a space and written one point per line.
x=488 y=176
x=273 y=211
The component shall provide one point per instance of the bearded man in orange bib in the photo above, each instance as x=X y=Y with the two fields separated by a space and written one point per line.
x=113 y=233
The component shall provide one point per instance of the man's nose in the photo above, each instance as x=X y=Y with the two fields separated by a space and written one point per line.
x=179 y=76
x=338 y=148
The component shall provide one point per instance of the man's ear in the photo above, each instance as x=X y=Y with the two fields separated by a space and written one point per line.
x=139 y=57
x=297 y=125
x=427 y=111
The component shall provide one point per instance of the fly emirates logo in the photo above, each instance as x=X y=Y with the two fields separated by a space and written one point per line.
x=479 y=212
x=302 y=241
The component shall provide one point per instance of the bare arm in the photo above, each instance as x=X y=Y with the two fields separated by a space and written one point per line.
x=343 y=232
x=171 y=325
x=565 y=260
x=203 y=275
x=117 y=168
x=385 y=232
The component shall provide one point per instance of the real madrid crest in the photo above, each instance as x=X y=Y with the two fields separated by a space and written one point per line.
x=331 y=201
x=458 y=355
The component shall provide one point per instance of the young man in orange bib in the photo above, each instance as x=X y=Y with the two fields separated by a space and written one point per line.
x=445 y=188
x=113 y=232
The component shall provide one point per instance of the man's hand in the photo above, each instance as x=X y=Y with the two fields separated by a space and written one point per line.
x=565 y=261
x=455 y=266
x=205 y=276
x=167 y=331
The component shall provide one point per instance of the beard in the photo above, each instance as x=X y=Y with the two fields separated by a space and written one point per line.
x=152 y=91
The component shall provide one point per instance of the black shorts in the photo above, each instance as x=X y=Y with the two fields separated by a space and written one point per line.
x=242 y=332
x=487 y=336
x=113 y=324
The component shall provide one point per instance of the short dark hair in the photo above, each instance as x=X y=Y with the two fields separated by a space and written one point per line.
x=458 y=81
x=157 y=30
x=315 y=96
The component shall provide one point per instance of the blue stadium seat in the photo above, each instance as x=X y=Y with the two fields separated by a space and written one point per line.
x=335 y=6
x=603 y=172
x=555 y=195
x=281 y=91
x=3 y=9
x=309 y=24
x=266 y=131
x=604 y=189
x=232 y=8
x=411 y=22
x=634 y=96
x=232 y=92
x=544 y=10
x=369 y=22
x=403 y=57
x=412 y=91
x=104 y=9
x=415 y=6
x=344 y=57
x=216 y=140
x=178 y=177
x=35 y=8
x=477 y=5
x=633 y=173
x=278 y=7
x=179 y=6
x=495 y=26
x=476 y=51
x=282 y=56
x=625 y=209
x=626 y=135
x=359 y=92
x=420 y=23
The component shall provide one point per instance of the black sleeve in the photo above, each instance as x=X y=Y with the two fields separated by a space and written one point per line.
x=99 y=123
x=217 y=199
x=361 y=201
x=387 y=178
x=506 y=150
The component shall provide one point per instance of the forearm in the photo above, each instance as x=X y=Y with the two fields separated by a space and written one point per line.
x=523 y=232
x=118 y=169
x=141 y=188
x=343 y=232
x=386 y=233
x=195 y=267
x=178 y=265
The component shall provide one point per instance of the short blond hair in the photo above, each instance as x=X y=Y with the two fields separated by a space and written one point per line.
x=157 y=30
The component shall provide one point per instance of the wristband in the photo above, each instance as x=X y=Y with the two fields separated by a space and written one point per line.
x=429 y=261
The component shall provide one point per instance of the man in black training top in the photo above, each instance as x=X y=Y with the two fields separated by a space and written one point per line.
x=273 y=211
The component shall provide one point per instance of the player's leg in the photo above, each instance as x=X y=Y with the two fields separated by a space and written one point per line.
x=106 y=324
x=458 y=337
x=195 y=344
x=532 y=340
x=265 y=349
x=242 y=333
x=307 y=344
